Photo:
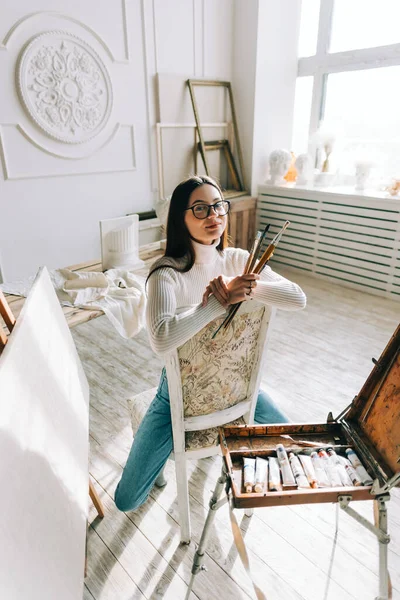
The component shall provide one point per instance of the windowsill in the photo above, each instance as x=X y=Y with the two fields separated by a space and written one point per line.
x=347 y=192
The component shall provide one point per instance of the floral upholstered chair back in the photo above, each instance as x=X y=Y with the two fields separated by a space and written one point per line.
x=217 y=373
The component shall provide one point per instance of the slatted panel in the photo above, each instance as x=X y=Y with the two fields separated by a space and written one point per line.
x=242 y=222
x=298 y=244
x=353 y=240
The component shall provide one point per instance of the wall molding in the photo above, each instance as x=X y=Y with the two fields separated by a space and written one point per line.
x=7 y=171
x=65 y=156
x=125 y=27
x=153 y=23
x=79 y=114
x=11 y=32
x=203 y=37
x=150 y=65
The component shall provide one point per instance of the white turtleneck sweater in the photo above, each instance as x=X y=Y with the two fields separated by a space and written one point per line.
x=174 y=306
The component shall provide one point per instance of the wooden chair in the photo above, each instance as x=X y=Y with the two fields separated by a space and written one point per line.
x=212 y=382
x=10 y=320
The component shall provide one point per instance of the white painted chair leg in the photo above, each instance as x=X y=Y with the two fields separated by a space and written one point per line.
x=183 y=497
x=248 y=512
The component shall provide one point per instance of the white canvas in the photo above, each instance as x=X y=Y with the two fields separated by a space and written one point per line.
x=44 y=399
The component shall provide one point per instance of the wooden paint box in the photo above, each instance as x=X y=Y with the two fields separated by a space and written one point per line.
x=370 y=425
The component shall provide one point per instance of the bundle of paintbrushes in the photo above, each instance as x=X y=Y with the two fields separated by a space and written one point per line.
x=287 y=471
x=252 y=266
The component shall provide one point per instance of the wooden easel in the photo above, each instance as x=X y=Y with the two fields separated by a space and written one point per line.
x=10 y=320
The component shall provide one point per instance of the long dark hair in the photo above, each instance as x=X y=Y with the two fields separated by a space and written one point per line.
x=179 y=242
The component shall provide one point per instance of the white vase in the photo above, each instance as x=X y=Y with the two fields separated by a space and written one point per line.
x=324 y=179
x=362 y=174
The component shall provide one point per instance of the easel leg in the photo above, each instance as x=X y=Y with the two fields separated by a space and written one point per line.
x=96 y=499
x=380 y=515
x=214 y=505
x=379 y=529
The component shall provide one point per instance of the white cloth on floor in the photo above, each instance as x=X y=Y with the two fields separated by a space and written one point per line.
x=118 y=293
x=81 y=288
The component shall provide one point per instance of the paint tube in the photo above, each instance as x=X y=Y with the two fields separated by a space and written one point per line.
x=340 y=469
x=360 y=470
x=343 y=461
x=352 y=473
x=350 y=470
x=287 y=475
x=249 y=473
x=261 y=474
x=298 y=472
x=320 y=473
x=274 y=475
x=309 y=470
x=330 y=469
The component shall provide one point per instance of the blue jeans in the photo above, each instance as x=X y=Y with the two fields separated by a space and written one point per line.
x=153 y=444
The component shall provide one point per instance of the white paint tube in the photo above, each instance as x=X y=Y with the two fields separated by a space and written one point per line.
x=361 y=472
x=352 y=473
x=249 y=471
x=330 y=469
x=298 y=472
x=320 y=473
x=350 y=470
x=274 y=475
x=261 y=474
x=309 y=470
x=287 y=475
x=343 y=475
x=340 y=469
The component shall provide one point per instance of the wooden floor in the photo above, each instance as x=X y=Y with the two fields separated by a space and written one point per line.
x=318 y=360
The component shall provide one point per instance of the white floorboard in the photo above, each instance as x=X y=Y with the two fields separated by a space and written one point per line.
x=317 y=361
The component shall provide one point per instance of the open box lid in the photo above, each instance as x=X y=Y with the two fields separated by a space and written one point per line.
x=374 y=415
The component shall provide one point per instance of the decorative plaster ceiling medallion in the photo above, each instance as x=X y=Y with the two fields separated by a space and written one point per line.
x=64 y=86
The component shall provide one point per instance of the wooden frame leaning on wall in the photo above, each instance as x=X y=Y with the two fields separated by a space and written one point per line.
x=192 y=83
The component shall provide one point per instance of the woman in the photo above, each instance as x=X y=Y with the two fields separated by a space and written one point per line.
x=192 y=284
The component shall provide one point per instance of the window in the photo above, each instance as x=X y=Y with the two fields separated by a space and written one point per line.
x=364 y=24
x=363 y=106
x=349 y=68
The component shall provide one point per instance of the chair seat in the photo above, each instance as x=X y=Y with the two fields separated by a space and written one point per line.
x=194 y=440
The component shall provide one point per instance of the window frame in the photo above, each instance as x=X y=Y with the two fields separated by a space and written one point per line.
x=323 y=63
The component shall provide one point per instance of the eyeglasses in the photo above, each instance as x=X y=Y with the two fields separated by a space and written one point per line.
x=202 y=211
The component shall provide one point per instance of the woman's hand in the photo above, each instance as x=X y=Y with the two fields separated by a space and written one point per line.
x=241 y=287
x=231 y=290
x=218 y=287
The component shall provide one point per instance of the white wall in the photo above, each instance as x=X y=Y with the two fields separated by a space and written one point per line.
x=244 y=76
x=52 y=195
x=276 y=71
x=264 y=77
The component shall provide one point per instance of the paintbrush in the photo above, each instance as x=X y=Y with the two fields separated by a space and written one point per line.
x=258 y=269
x=258 y=242
x=253 y=251
x=251 y=261
x=270 y=250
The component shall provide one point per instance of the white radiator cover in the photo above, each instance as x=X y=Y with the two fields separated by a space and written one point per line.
x=353 y=240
